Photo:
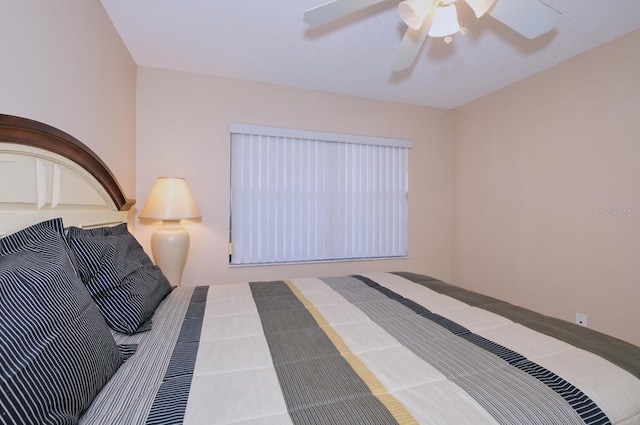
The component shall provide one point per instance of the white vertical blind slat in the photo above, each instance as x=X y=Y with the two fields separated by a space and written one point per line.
x=308 y=200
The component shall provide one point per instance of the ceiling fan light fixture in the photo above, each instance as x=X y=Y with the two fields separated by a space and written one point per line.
x=445 y=21
x=439 y=18
x=413 y=12
x=480 y=7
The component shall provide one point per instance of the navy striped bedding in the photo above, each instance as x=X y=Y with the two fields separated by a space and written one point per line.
x=380 y=348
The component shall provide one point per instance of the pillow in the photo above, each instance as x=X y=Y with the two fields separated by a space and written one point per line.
x=119 y=275
x=56 y=351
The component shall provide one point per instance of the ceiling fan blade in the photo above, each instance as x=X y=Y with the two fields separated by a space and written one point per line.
x=335 y=9
x=530 y=18
x=410 y=45
x=480 y=7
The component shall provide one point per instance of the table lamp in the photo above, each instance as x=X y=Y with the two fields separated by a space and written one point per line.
x=170 y=200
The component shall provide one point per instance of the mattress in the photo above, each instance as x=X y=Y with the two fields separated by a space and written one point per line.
x=378 y=348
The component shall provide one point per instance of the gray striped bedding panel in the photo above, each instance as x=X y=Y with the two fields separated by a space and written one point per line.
x=377 y=348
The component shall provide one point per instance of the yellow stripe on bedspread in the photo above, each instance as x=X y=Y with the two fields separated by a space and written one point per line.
x=397 y=409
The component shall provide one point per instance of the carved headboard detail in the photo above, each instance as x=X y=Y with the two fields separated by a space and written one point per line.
x=46 y=173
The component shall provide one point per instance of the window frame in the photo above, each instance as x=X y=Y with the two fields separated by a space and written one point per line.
x=321 y=136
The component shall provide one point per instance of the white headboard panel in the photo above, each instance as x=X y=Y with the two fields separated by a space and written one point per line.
x=45 y=173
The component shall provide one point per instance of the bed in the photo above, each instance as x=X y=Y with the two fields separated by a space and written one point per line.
x=92 y=332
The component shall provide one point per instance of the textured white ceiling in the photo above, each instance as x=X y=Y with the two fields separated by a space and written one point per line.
x=266 y=40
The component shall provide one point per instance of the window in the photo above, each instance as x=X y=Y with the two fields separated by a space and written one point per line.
x=300 y=196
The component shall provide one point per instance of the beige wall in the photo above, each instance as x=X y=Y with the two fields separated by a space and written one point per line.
x=62 y=63
x=538 y=168
x=183 y=130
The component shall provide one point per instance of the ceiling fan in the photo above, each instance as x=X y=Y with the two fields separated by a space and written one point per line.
x=438 y=18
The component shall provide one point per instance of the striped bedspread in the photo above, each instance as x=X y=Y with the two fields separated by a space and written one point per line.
x=379 y=348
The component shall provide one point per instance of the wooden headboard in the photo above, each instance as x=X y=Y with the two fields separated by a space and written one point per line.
x=47 y=173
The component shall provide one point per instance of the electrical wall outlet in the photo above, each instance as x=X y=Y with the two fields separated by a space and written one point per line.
x=581 y=319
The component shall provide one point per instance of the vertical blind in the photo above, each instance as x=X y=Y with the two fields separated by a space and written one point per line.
x=299 y=196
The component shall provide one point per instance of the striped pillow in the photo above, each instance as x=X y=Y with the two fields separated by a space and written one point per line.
x=119 y=275
x=56 y=351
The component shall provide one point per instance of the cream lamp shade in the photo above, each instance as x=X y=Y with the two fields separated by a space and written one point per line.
x=170 y=200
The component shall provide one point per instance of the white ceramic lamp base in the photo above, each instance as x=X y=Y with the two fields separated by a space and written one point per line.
x=170 y=246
